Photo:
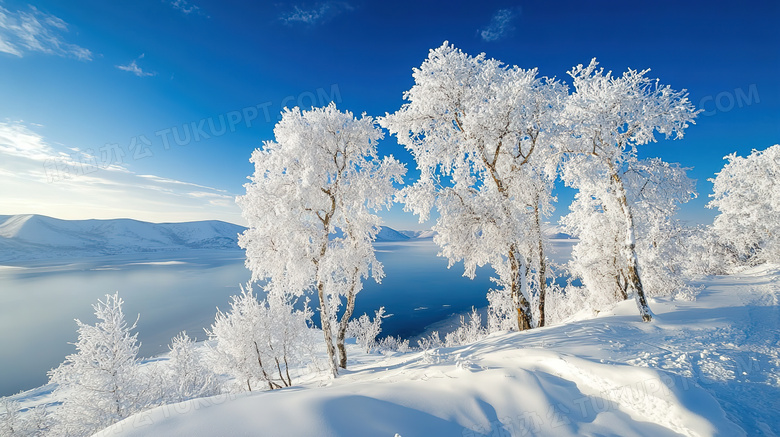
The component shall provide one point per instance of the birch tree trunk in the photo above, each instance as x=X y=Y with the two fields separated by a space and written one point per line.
x=542 y=273
x=326 y=328
x=633 y=280
x=342 y=333
x=517 y=288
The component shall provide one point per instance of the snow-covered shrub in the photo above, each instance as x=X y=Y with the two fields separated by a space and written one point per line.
x=707 y=254
x=394 y=344
x=364 y=330
x=432 y=341
x=260 y=341
x=189 y=376
x=101 y=383
x=501 y=314
x=564 y=302
x=32 y=423
x=746 y=194
x=467 y=332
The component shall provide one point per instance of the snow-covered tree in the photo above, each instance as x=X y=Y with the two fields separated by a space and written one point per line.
x=745 y=192
x=190 y=377
x=101 y=383
x=654 y=189
x=311 y=207
x=260 y=341
x=608 y=118
x=482 y=136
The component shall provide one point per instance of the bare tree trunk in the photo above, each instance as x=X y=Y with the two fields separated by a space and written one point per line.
x=326 y=329
x=632 y=275
x=262 y=368
x=516 y=289
x=542 y=273
x=350 y=308
x=324 y=307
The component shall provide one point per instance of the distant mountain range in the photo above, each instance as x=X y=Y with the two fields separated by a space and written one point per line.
x=30 y=236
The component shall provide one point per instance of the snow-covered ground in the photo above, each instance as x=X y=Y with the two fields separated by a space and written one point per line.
x=708 y=367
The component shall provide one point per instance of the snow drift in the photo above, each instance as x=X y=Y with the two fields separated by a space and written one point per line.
x=701 y=368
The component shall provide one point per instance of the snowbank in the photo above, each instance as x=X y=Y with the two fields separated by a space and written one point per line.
x=702 y=368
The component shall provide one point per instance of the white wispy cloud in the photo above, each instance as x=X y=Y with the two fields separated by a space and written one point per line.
x=500 y=25
x=133 y=67
x=318 y=13
x=185 y=7
x=35 y=31
x=42 y=177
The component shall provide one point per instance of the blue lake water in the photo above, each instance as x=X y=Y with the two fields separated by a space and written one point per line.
x=178 y=292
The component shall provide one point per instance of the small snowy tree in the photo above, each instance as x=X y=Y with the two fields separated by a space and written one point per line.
x=746 y=194
x=364 y=330
x=482 y=136
x=608 y=118
x=260 y=341
x=189 y=376
x=311 y=207
x=467 y=332
x=35 y=422
x=394 y=344
x=101 y=383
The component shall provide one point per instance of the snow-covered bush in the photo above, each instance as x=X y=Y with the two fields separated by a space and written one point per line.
x=432 y=341
x=101 y=383
x=569 y=300
x=364 y=330
x=746 y=194
x=393 y=344
x=468 y=331
x=260 y=341
x=501 y=314
x=189 y=376
x=707 y=254
x=35 y=422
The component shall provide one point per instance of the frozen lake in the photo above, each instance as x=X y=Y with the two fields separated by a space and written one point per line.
x=175 y=292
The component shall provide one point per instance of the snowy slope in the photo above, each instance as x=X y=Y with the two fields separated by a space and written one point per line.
x=702 y=368
x=26 y=237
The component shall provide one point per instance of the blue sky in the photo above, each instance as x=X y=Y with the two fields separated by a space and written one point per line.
x=150 y=109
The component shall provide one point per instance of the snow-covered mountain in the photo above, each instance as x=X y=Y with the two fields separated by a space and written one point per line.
x=30 y=237
x=419 y=234
x=390 y=234
x=556 y=233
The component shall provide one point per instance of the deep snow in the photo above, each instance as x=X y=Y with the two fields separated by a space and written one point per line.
x=708 y=367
